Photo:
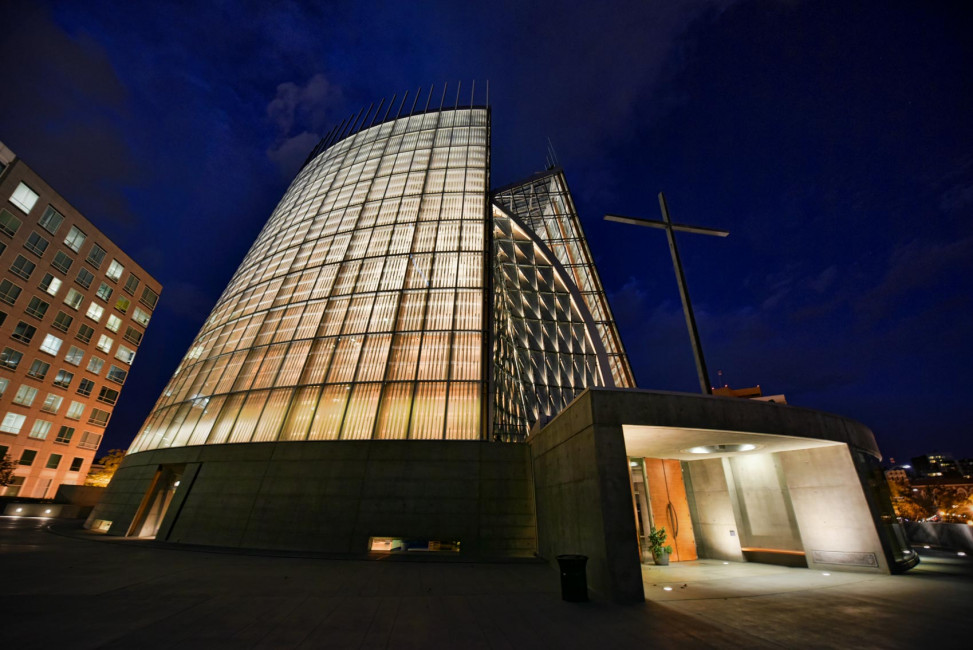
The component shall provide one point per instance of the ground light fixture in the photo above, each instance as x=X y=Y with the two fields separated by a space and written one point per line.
x=716 y=449
x=667 y=589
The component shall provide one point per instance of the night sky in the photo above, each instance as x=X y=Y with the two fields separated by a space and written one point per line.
x=834 y=142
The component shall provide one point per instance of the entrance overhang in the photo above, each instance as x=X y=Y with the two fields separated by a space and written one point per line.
x=689 y=444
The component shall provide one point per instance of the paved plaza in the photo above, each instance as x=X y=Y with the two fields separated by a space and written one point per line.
x=66 y=587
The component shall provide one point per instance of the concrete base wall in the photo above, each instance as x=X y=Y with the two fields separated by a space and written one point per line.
x=584 y=500
x=954 y=537
x=332 y=496
x=717 y=535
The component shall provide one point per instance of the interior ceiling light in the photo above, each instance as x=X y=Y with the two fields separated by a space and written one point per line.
x=716 y=449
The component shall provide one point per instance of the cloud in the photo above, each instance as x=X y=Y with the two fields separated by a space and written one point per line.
x=289 y=154
x=305 y=109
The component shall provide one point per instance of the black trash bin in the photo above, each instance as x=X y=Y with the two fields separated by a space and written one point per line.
x=574 y=579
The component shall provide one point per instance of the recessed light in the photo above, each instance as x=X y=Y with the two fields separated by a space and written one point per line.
x=825 y=573
x=667 y=589
x=716 y=449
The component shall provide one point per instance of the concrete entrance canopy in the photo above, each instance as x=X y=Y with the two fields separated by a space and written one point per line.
x=805 y=489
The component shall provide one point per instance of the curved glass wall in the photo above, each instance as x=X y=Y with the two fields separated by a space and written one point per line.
x=358 y=311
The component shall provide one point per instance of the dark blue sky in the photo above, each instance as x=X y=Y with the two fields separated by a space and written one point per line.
x=835 y=142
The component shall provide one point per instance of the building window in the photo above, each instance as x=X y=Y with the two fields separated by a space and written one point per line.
x=62 y=321
x=76 y=464
x=85 y=387
x=96 y=256
x=51 y=220
x=94 y=312
x=85 y=333
x=27 y=458
x=9 y=292
x=139 y=316
x=36 y=244
x=22 y=267
x=104 y=292
x=25 y=395
x=116 y=375
x=23 y=332
x=40 y=430
x=125 y=355
x=74 y=239
x=38 y=369
x=122 y=304
x=50 y=284
x=24 y=198
x=63 y=378
x=53 y=461
x=107 y=395
x=3 y=389
x=64 y=435
x=74 y=356
x=132 y=335
x=37 y=307
x=73 y=299
x=12 y=422
x=52 y=404
x=51 y=344
x=10 y=358
x=105 y=343
x=76 y=410
x=85 y=277
x=113 y=323
x=89 y=440
x=99 y=418
x=149 y=298
x=9 y=224
x=95 y=364
x=62 y=262
x=131 y=284
x=114 y=271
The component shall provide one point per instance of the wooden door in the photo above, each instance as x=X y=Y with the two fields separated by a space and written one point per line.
x=670 y=507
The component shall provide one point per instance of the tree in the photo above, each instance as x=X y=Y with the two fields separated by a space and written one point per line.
x=101 y=476
x=944 y=502
x=7 y=467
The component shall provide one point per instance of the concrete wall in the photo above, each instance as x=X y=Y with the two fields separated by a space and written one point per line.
x=332 y=496
x=836 y=524
x=954 y=537
x=584 y=500
x=79 y=495
x=717 y=536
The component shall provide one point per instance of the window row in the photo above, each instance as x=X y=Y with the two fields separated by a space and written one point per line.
x=13 y=423
x=10 y=359
x=28 y=456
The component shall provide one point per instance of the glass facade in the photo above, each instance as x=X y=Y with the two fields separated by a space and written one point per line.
x=388 y=298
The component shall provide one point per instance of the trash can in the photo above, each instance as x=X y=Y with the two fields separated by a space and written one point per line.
x=574 y=579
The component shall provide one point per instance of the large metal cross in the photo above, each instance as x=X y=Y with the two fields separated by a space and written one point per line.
x=670 y=228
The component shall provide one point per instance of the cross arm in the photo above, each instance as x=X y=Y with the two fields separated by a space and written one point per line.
x=651 y=223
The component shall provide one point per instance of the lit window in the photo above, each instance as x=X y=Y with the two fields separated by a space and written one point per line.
x=95 y=364
x=122 y=304
x=94 y=312
x=64 y=435
x=38 y=369
x=116 y=374
x=74 y=239
x=9 y=292
x=10 y=358
x=40 y=430
x=51 y=220
x=96 y=255
x=99 y=418
x=36 y=307
x=139 y=316
x=125 y=355
x=104 y=343
x=22 y=267
x=25 y=395
x=76 y=464
x=9 y=224
x=114 y=271
x=114 y=322
x=36 y=244
x=50 y=284
x=85 y=333
x=24 y=198
x=27 y=458
x=85 y=387
x=3 y=386
x=149 y=298
x=12 y=422
x=51 y=344
x=74 y=356
x=62 y=321
x=73 y=299
x=84 y=277
x=63 y=378
x=76 y=410
x=89 y=440
x=53 y=461
x=107 y=395
x=23 y=332
x=62 y=262
x=52 y=404
x=131 y=284
x=104 y=292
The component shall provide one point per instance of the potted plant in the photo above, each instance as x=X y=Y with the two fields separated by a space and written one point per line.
x=657 y=544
